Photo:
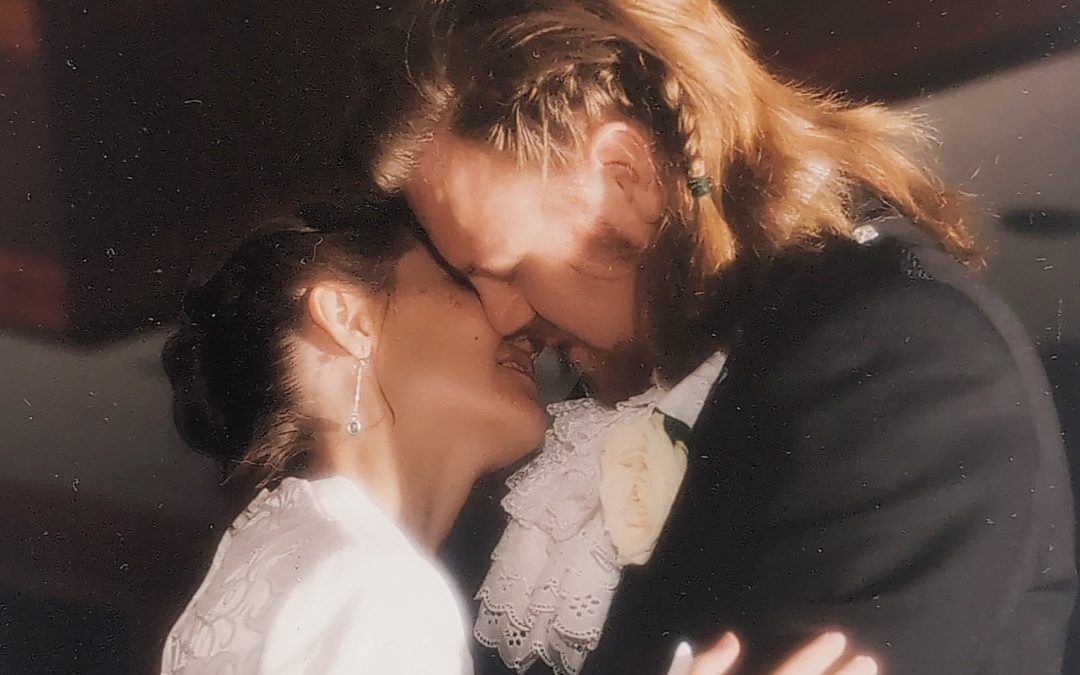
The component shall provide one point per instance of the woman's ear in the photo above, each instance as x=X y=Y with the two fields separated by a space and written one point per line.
x=345 y=316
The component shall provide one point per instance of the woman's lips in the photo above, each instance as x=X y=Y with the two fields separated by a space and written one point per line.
x=517 y=358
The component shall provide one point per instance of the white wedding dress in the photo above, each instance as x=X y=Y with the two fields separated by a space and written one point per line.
x=313 y=578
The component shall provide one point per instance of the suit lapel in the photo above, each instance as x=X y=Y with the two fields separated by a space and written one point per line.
x=647 y=617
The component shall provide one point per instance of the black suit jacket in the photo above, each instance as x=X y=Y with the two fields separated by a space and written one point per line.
x=883 y=456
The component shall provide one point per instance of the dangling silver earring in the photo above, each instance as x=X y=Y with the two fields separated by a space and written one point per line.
x=354 y=425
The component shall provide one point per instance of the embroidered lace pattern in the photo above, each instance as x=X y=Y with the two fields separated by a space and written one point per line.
x=553 y=574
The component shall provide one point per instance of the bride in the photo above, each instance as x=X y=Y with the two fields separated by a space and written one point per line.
x=335 y=369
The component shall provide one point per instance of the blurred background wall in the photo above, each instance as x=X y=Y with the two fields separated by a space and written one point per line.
x=136 y=134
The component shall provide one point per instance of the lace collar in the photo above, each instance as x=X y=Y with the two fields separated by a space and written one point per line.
x=554 y=572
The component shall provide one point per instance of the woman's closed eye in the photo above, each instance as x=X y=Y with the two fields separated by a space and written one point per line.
x=458 y=277
x=462 y=279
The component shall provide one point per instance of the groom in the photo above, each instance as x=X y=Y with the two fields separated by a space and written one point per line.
x=621 y=180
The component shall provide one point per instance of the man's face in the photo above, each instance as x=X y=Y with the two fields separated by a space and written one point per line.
x=538 y=249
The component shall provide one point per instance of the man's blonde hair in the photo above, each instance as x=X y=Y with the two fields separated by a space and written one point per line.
x=527 y=77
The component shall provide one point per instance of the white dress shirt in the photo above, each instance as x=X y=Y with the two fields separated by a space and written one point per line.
x=315 y=578
x=555 y=571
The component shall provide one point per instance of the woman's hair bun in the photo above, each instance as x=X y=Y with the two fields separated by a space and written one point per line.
x=196 y=419
x=228 y=362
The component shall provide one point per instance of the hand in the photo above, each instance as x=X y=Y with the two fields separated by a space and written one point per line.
x=826 y=654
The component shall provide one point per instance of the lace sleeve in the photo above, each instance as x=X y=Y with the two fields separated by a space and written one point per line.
x=361 y=612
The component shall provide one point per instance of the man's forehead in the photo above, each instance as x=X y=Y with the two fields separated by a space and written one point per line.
x=479 y=209
x=458 y=186
x=449 y=159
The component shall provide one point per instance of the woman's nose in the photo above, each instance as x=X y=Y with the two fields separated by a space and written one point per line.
x=506 y=307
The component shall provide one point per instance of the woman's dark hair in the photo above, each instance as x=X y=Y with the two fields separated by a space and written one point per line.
x=229 y=363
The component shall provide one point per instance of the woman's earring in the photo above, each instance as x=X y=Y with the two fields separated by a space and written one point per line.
x=354 y=425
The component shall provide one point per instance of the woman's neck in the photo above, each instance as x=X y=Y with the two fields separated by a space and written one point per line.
x=421 y=491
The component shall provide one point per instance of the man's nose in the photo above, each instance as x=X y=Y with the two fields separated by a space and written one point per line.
x=506 y=307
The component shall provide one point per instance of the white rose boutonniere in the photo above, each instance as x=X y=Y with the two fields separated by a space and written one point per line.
x=641 y=470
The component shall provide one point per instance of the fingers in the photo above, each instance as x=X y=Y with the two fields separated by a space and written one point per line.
x=826 y=654
x=860 y=665
x=719 y=658
x=817 y=657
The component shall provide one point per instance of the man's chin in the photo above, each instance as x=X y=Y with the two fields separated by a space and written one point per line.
x=610 y=375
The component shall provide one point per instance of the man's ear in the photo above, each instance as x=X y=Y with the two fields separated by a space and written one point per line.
x=345 y=316
x=626 y=157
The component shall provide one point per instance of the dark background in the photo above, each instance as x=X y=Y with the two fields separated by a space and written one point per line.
x=135 y=134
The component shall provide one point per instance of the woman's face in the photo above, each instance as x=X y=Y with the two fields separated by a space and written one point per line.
x=448 y=376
